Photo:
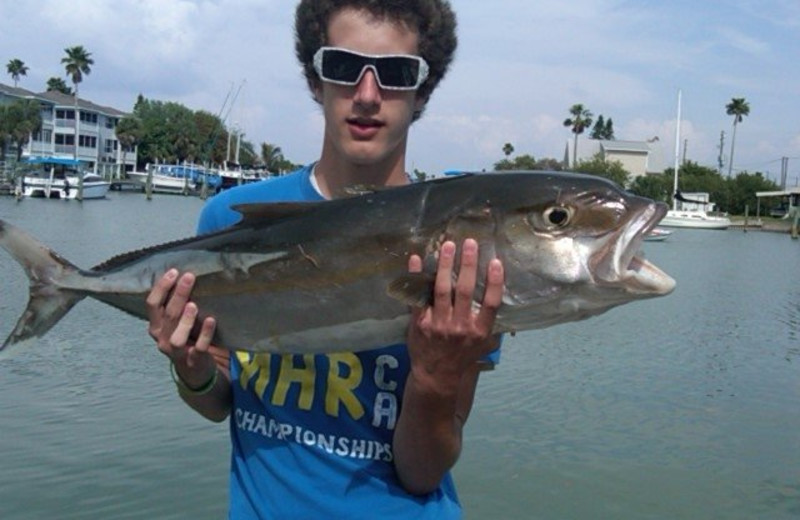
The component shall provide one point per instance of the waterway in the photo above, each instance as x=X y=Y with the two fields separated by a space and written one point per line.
x=683 y=407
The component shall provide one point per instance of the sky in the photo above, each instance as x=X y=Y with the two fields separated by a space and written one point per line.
x=520 y=66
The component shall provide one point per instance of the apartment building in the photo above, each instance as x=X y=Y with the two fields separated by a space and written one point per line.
x=97 y=144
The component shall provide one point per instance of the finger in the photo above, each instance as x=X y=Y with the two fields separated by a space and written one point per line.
x=180 y=296
x=159 y=293
x=443 y=286
x=206 y=334
x=414 y=264
x=493 y=296
x=181 y=333
x=467 y=274
x=203 y=343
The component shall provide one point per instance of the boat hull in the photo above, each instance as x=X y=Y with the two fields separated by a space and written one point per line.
x=694 y=220
x=35 y=187
x=164 y=183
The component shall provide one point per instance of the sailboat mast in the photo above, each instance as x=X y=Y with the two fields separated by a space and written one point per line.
x=677 y=154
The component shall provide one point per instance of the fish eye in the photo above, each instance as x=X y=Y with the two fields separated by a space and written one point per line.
x=557 y=216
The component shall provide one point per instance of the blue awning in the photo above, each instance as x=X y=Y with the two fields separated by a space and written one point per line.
x=53 y=160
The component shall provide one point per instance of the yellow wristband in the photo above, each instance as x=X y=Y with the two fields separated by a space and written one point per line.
x=188 y=390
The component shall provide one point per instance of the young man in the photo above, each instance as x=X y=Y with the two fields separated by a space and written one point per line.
x=353 y=435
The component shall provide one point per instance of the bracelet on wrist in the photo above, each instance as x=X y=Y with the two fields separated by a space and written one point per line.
x=188 y=390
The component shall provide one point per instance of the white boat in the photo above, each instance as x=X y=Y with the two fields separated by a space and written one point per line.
x=59 y=179
x=657 y=235
x=695 y=217
x=231 y=174
x=176 y=178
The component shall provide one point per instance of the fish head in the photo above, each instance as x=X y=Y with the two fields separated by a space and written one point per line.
x=571 y=249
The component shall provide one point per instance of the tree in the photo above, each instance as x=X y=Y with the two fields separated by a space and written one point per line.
x=520 y=162
x=738 y=108
x=21 y=119
x=77 y=63
x=272 y=157
x=608 y=132
x=16 y=68
x=548 y=163
x=581 y=119
x=603 y=129
x=612 y=170
x=742 y=191
x=420 y=176
x=656 y=187
x=129 y=132
x=599 y=128
x=5 y=131
x=58 y=85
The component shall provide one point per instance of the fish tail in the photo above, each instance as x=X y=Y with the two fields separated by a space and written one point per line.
x=47 y=301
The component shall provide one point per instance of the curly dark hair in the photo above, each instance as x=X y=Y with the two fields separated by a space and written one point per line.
x=434 y=20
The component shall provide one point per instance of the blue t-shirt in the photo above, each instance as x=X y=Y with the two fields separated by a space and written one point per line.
x=312 y=434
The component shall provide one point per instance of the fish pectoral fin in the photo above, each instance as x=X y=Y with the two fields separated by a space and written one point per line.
x=415 y=289
x=272 y=211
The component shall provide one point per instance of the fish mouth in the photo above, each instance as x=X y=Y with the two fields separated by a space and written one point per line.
x=624 y=263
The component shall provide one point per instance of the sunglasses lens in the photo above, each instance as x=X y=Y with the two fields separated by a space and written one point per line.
x=398 y=71
x=341 y=65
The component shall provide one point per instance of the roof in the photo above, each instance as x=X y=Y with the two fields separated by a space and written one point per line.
x=788 y=191
x=57 y=98
x=625 y=146
x=61 y=99
x=8 y=90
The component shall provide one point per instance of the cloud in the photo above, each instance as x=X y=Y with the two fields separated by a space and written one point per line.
x=743 y=42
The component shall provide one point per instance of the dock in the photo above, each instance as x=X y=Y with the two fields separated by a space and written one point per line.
x=126 y=185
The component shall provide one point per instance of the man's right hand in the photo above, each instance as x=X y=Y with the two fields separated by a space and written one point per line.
x=172 y=318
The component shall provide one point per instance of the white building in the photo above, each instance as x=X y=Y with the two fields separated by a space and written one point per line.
x=637 y=157
x=98 y=146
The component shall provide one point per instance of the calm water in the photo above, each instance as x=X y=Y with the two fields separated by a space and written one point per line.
x=685 y=407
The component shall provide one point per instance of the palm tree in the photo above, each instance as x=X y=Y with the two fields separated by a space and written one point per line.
x=58 y=85
x=77 y=62
x=738 y=108
x=581 y=120
x=272 y=157
x=16 y=68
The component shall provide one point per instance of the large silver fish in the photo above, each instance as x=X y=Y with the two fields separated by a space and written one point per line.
x=331 y=276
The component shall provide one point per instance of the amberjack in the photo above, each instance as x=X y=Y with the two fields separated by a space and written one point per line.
x=319 y=277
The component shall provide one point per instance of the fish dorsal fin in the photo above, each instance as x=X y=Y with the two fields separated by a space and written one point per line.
x=414 y=289
x=273 y=210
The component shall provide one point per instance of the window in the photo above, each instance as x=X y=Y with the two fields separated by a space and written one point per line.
x=67 y=139
x=43 y=136
x=87 y=141
x=89 y=117
x=65 y=114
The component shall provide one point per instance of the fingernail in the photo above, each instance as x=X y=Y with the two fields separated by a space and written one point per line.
x=171 y=274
